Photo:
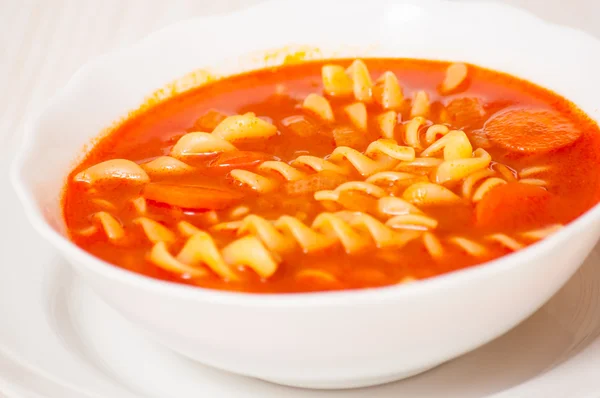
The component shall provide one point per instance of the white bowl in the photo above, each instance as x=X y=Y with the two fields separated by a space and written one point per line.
x=320 y=340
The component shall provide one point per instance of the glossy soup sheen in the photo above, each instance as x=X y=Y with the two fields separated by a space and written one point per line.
x=561 y=183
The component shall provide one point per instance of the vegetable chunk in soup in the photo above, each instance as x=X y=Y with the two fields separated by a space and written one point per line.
x=338 y=174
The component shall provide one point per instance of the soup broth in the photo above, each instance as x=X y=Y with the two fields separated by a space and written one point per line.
x=337 y=174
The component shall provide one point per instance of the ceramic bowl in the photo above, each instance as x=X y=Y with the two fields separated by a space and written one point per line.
x=318 y=340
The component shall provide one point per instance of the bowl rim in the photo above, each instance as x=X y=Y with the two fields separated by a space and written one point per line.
x=299 y=299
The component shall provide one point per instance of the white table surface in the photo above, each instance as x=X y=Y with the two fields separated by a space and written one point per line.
x=43 y=42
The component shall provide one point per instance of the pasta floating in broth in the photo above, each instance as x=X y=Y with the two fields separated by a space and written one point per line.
x=335 y=175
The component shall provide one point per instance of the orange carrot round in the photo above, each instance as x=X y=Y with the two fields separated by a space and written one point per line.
x=515 y=205
x=531 y=130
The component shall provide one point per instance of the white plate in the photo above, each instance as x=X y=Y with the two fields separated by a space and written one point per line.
x=58 y=340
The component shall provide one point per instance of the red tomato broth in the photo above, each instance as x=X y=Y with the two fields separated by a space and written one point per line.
x=572 y=182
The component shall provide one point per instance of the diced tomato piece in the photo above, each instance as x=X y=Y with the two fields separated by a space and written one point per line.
x=300 y=126
x=347 y=136
x=516 y=206
x=466 y=112
x=191 y=196
x=239 y=160
x=209 y=121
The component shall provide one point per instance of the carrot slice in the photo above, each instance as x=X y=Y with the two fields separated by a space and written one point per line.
x=191 y=196
x=531 y=130
x=516 y=205
x=239 y=160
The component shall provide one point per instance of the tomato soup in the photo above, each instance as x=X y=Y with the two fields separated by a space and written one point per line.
x=338 y=174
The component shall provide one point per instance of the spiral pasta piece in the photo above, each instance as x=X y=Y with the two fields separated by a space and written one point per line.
x=361 y=79
x=380 y=155
x=390 y=94
x=140 y=205
x=357 y=113
x=533 y=171
x=412 y=221
x=387 y=123
x=534 y=181
x=319 y=164
x=87 y=231
x=187 y=229
x=390 y=177
x=309 y=240
x=193 y=144
x=468 y=245
x=456 y=145
x=115 y=169
x=355 y=231
x=456 y=74
x=160 y=256
x=255 y=181
x=487 y=186
x=250 y=252
x=433 y=245
x=315 y=274
x=361 y=186
x=411 y=132
x=244 y=127
x=288 y=172
x=420 y=105
x=434 y=131
x=506 y=241
x=319 y=106
x=263 y=184
x=426 y=193
x=112 y=227
x=200 y=248
x=365 y=165
x=155 y=231
x=470 y=182
x=227 y=226
x=389 y=206
x=210 y=217
x=413 y=135
x=332 y=225
x=362 y=163
x=336 y=81
x=541 y=233
x=266 y=231
x=504 y=171
x=457 y=169
x=165 y=166
x=104 y=204
x=382 y=235
x=239 y=212
x=391 y=149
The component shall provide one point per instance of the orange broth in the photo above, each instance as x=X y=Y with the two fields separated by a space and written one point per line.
x=571 y=185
